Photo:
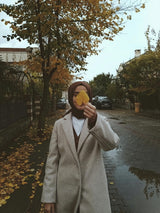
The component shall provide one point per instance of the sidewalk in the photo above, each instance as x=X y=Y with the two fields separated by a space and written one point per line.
x=22 y=170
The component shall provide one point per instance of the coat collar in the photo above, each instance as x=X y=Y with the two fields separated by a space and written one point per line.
x=68 y=129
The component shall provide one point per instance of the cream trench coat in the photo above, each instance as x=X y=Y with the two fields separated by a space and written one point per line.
x=76 y=178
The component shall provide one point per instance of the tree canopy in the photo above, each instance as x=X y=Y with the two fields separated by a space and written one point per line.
x=65 y=31
x=100 y=84
x=141 y=75
x=68 y=30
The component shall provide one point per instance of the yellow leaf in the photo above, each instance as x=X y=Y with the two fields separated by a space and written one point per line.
x=32 y=196
x=7 y=197
x=10 y=184
x=23 y=183
x=111 y=183
x=82 y=98
x=2 y=180
x=143 y=6
x=2 y=202
x=129 y=17
x=137 y=10
x=40 y=184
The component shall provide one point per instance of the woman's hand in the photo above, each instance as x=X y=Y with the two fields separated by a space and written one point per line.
x=91 y=114
x=49 y=208
x=90 y=111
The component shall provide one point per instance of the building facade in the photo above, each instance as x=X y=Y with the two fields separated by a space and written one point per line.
x=11 y=55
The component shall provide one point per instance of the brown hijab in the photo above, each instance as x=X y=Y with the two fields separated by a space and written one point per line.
x=78 y=113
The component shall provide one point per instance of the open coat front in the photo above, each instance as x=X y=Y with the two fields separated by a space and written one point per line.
x=76 y=178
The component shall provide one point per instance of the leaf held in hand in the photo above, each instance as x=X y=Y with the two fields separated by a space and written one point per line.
x=82 y=98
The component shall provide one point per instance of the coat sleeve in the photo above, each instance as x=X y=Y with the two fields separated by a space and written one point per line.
x=104 y=134
x=49 y=184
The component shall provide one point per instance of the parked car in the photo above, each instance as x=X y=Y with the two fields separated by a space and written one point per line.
x=102 y=102
x=61 y=103
x=94 y=99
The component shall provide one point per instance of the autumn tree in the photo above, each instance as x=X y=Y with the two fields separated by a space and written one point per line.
x=66 y=31
x=141 y=76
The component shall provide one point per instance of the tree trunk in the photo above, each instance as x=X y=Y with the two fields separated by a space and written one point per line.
x=53 y=101
x=44 y=107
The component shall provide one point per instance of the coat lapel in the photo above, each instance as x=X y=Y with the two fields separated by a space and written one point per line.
x=68 y=129
x=84 y=134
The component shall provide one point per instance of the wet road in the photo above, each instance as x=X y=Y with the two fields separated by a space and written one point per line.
x=136 y=163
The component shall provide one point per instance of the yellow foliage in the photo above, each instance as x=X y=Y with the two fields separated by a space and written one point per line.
x=15 y=169
x=111 y=183
x=13 y=166
x=32 y=134
x=67 y=32
x=137 y=10
x=82 y=98
x=62 y=74
x=143 y=6
x=7 y=22
x=129 y=17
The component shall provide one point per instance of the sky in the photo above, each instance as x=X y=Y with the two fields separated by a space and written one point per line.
x=113 y=53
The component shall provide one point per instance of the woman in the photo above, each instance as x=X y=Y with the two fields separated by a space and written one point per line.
x=75 y=179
